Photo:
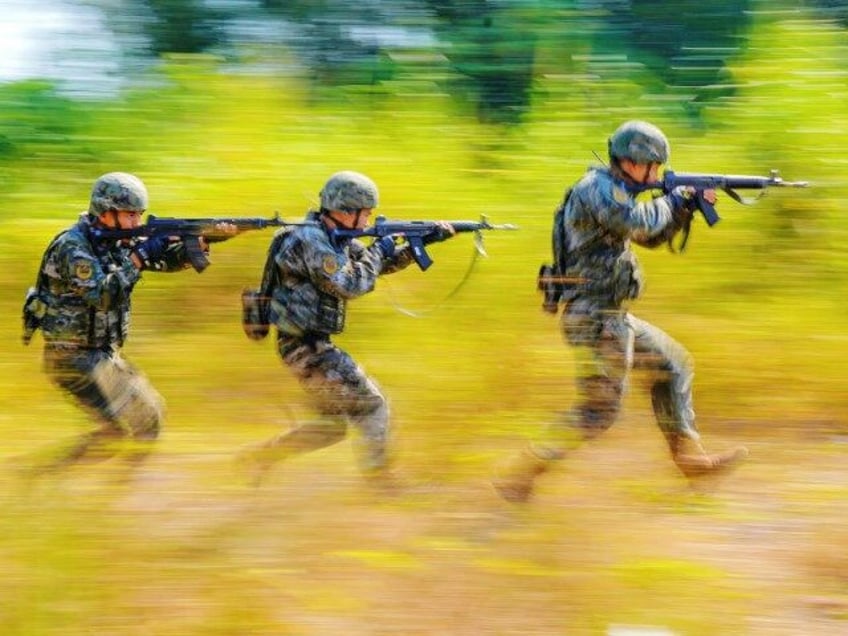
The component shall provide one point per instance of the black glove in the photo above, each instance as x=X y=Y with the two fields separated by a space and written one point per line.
x=151 y=250
x=684 y=202
x=386 y=246
x=437 y=235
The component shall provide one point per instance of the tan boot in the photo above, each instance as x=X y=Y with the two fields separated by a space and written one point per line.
x=699 y=465
x=514 y=481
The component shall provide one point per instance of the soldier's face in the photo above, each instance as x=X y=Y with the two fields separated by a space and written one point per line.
x=362 y=218
x=121 y=219
x=127 y=219
x=641 y=172
x=351 y=221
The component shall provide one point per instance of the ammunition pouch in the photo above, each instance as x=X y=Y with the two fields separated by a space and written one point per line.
x=306 y=309
x=551 y=290
x=33 y=312
x=626 y=278
x=556 y=287
x=254 y=315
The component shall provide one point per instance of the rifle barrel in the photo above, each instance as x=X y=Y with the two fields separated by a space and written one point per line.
x=732 y=181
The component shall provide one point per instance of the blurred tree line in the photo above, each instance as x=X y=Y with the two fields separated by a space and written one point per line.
x=487 y=54
x=490 y=47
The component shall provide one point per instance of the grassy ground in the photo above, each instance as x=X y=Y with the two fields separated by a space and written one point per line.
x=616 y=538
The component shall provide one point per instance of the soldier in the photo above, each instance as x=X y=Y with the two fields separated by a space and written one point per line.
x=81 y=302
x=598 y=275
x=309 y=277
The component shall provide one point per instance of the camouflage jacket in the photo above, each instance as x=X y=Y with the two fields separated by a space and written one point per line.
x=84 y=288
x=317 y=274
x=593 y=230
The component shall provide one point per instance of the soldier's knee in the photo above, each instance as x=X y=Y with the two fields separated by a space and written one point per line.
x=367 y=405
x=596 y=419
x=602 y=392
x=600 y=406
x=377 y=403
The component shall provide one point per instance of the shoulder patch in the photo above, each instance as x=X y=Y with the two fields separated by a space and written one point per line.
x=330 y=264
x=82 y=270
x=620 y=195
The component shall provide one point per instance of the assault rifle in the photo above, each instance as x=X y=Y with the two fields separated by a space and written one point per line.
x=416 y=231
x=727 y=183
x=555 y=285
x=190 y=231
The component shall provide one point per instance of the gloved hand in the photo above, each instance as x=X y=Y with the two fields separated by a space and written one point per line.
x=151 y=250
x=439 y=234
x=385 y=246
x=684 y=202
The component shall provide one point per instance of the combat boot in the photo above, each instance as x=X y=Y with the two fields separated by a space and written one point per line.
x=694 y=465
x=252 y=463
x=514 y=481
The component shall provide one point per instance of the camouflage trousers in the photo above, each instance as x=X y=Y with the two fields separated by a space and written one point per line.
x=343 y=394
x=116 y=394
x=108 y=386
x=607 y=345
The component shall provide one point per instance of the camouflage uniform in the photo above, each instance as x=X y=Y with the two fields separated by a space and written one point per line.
x=82 y=300
x=597 y=223
x=593 y=230
x=315 y=274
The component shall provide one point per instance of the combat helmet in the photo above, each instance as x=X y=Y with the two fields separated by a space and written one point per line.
x=117 y=191
x=349 y=191
x=640 y=142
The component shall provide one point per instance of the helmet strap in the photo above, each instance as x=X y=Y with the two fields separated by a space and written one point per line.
x=338 y=222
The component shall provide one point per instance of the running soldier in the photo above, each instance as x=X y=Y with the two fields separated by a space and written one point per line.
x=81 y=302
x=596 y=274
x=309 y=277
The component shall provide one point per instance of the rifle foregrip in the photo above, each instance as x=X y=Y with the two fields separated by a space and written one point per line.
x=420 y=254
x=707 y=210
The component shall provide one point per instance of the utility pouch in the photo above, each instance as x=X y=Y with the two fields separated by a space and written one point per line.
x=547 y=282
x=254 y=315
x=33 y=312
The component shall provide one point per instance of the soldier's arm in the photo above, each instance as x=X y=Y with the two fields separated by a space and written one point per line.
x=401 y=259
x=648 y=223
x=331 y=270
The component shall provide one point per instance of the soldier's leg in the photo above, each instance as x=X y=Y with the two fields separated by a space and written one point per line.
x=672 y=375
x=341 y=389
x=342 y=393
x=135 y=404
x=603 y=349
x=99 y=383
x=603 y=354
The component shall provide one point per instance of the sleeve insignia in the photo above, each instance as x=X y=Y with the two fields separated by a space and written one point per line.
x=330 y=264
x=82 y=270
x=620 y=195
